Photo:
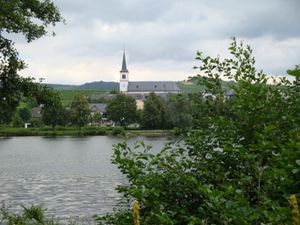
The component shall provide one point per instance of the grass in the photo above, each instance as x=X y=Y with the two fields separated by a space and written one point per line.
x=68 y=95
x=60 y=131
x=190 y=87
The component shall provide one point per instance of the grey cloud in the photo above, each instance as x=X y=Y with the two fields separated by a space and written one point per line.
x=166 y=33
x=115 y=10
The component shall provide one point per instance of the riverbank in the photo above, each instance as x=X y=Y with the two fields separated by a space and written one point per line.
x=73 y=131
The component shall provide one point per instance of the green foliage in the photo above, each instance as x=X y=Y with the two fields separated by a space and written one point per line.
x=33 y=215
x=192 y=86
x=17 y=120
x=36 y=122
x=79 y=110
x=53 y=112
x=120 y=217
x=95 y=118
x=154 y=113
x=25 y=114
x=118 y=131
x=59 y=131
x=114 y=91
x=295 y=72
x=122 y=109
x=93 y=96
x=29 y=18
x=239 y=170
x=179 y=112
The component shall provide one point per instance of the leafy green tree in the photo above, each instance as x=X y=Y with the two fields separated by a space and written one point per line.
x=79 y=110
x=17 y=121
x=179 y=112
x=53 y=112
x=154 y=113
x=29 y=18
x=122 y=109
x=241 y=169
x=25 y=114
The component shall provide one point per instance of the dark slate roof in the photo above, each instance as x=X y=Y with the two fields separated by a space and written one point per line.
x=98 y=107
x=124 y=66
x=36 y=112
x=153 y=86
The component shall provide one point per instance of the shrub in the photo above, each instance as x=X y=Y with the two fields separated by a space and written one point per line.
x=118 y=131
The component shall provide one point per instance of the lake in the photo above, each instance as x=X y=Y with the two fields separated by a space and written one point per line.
x=69 y=176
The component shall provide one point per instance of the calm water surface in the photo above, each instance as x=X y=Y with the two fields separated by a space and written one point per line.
x=68 y=176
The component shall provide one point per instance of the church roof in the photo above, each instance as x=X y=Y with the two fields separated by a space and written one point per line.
x=153 y=86
x=124 y=66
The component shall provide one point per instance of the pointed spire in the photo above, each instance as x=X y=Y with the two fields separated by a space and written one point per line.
x=124 y=66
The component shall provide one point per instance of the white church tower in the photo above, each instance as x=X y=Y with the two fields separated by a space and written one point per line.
x=124 y=79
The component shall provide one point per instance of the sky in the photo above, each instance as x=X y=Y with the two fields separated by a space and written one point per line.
x=161 y=38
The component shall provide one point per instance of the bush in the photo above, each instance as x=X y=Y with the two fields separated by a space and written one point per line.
x=177 y=131
x=118 y=131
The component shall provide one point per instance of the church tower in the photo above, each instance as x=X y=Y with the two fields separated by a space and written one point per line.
x=124 y=79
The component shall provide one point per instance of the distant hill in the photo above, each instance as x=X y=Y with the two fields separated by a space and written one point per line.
x=189 y=86
x=96 y=85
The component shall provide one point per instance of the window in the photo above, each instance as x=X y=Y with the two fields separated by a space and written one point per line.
x=155 y=86
x=137 y=86
x=123 y=76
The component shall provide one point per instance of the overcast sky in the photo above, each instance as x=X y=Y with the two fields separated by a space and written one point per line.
x=161 y=38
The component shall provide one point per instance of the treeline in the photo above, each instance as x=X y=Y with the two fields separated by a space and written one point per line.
x=180 y=112
x=51 y=111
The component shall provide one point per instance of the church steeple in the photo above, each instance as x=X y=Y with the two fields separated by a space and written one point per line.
x=124 y=66
x=124 y=75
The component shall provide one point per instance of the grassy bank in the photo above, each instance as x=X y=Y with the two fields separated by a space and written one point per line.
x=74 y=131
x=61 y=131
x=149 y=133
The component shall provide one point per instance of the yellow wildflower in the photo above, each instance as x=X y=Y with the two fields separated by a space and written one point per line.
x=295 y=211
x=136 y=213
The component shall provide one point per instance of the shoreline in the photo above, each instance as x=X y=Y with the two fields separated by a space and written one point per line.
x=72 y=131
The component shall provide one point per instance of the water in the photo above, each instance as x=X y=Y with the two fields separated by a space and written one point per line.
x=68 y=176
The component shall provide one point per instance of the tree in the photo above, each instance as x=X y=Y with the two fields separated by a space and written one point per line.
x=53 y=112
x=79 y=110
x=29 y=18
x=178 y=112
x=25 y=114
x=17 y=121
x=240 y=169
x=154 y=112
x=122 y=109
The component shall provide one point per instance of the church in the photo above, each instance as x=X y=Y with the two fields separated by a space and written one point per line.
x=140 y=89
